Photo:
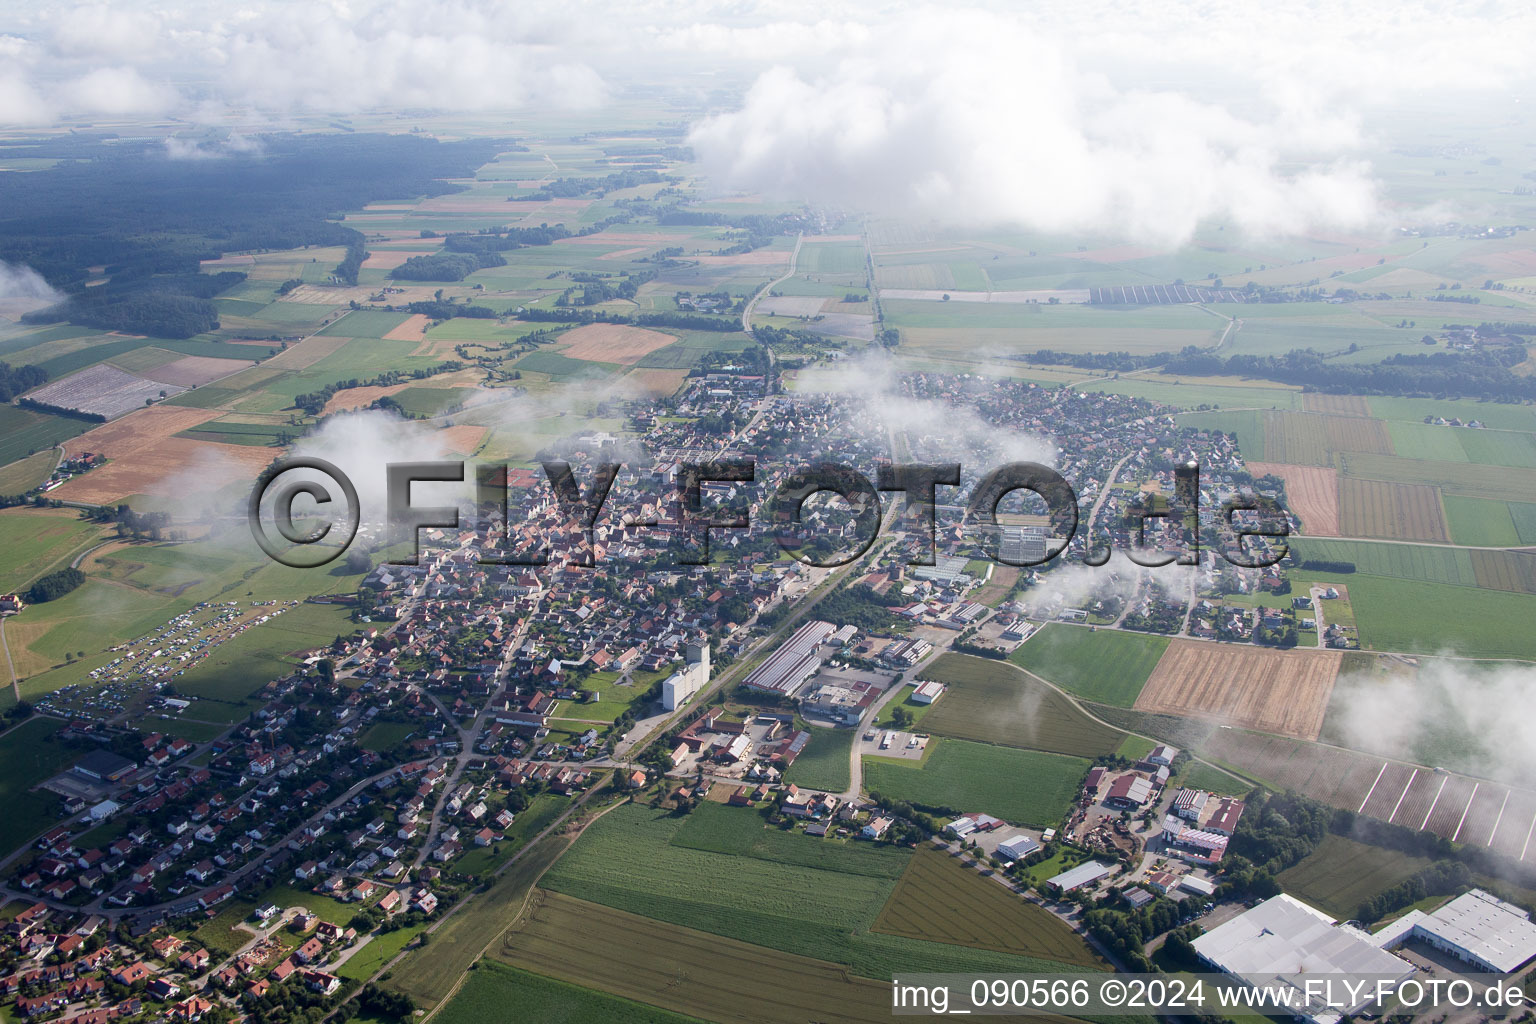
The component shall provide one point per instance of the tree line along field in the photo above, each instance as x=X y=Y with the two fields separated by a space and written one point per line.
x=1105 y=666
x=1025 y=787
x=938 y=898
x=823 y=764
x=994 y=702
x=1341 y=874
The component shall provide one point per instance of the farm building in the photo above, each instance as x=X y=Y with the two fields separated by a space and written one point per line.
x=1018 y=846
x=1084 y=874
x=786 y=669
x=928 y=692
x=1481 y=929
x=1130 y=791
x=1163 y=754
x=1282 y=941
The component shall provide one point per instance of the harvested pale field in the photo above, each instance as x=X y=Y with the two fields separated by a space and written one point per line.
x=414 y=329
x=389 y=259
x=1379 y=510
x=655 y=382
x=169 y=468
x=612 y=343
x=464 y=439
x=624 y=254
x=620 y=238
x=813 y=240
x=757 y=258
x=138 y=430
x=1514 y=262
x=1112 y=254
x=1312 y=492
x=357 y=398
x=229 y=261
x=1336 y=405
x=307 y=352
x=791 y=305
x=191 y=371
x=1283 y=692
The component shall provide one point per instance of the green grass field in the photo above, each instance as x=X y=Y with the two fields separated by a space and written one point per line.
x=743 y=832
x=24 y=432
x=37 y=541
x=1480 y=522
x=21 y=476
x=492 y=988
x=1427 y=618
x=823 y=764
x=939 y=899
x=29 y=754
x=994 y=702
x=628 y=860
x=1399 y=561
x=1106 y=666
x=1341 y=874
x=1025 y=787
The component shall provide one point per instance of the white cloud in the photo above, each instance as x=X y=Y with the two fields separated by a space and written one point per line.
x=973 y=118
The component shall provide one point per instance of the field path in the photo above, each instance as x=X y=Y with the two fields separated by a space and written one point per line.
x=746 y=314
x=4 y=644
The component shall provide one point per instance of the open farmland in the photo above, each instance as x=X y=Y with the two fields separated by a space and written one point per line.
x=102 y=390
x=612 y=343
x=1390 y=511
x=1501 y=483
x=1107 y=666
x=493 y=987
x=192 y=371
x=1283 y=692
x=683 y=969
x=1312 y=492
x=823 y=764
x=969 y=776
x=24 y=432
x=939 y=899
x=1341 y=874
x=1336 y=405
x=1453 y=806
x=743 y=832
x=148 y=459
x=1514 y=571
x=35 y=541
x=1401 y=561
x=797 y=909
x=994 y=702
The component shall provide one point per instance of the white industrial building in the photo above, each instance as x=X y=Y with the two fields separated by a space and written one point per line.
x=689 y=680
x=786 y=669
x=1084 y=874
x=1282 y=941
x=1018 y=846
x=1477 y=927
